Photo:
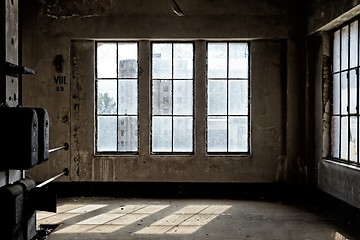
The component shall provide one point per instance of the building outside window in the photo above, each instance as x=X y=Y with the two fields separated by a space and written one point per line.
x=345 y=93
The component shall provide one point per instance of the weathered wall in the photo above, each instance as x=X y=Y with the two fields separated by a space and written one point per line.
x=277 y=85
x=339 y=180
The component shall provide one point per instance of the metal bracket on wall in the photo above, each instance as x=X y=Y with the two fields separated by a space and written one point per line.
x=14 y=70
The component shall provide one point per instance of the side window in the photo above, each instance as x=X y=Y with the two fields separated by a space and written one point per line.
x=227 y=97
x=172 y=76
x=345 y=90
x=116 y=97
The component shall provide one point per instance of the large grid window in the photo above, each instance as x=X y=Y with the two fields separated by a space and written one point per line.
x=117 y=97
x=345 y=94
x=172 y=98
x=227 y=97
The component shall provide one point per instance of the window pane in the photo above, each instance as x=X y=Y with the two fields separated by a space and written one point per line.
x=353 y=139
x=162 y=97
x=354 y=38
x=128 y=60
x=336 y=51
x=128 y=97
x=335 y=137
x=238 y=60
x=238 y=97
x=344 y=93
x=217 y=60
x=336 y=93
x=344 y=47
x=183 y=97
x=353 y=92
x=106 y=97
x=217 y=97
x=162 y=61
x=238 y=132
x=217 y=134
x=161 y=134
x=183 y=134
x=106 y=60
x=344 y=138
x=128 y=137
x=183 y=61
x=106 y=134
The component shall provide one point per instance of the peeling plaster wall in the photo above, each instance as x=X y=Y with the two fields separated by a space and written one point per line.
x=339 y=180
x=277 y=86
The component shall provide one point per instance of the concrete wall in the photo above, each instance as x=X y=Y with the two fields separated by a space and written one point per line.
x=276 y=31
x=339 y=180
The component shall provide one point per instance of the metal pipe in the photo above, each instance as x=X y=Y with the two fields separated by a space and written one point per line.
x=65 y=147
x=63 y=173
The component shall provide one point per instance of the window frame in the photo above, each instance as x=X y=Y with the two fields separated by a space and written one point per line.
x=227 y=152
x=117 y=115
x=348 y=114
x=175 y=153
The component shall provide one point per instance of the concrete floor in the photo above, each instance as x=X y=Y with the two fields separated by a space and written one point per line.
x=120 y=218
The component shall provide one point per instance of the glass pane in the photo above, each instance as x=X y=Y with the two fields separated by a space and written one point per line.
x=238 y=97
x=344 y=138
x=353 y=92
x=344 y=47
x=336 y=94
x=354 y=38
x=216 y=134
x=336 y=51
x=353 y=139
x=128 y=60
x=217 y=97
x=238 y=60
x=106 y=134
x=106 y=97
x=238 y=134
x=183 y=61
x=217 y=60
x=183 y=134
x=335 y=137
x=183 y=97
x=128 y=134
x=162 y=97
x=128 y=97
x=162 y=61
x=106 y=60
x=344 y=93
x=161 y=134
